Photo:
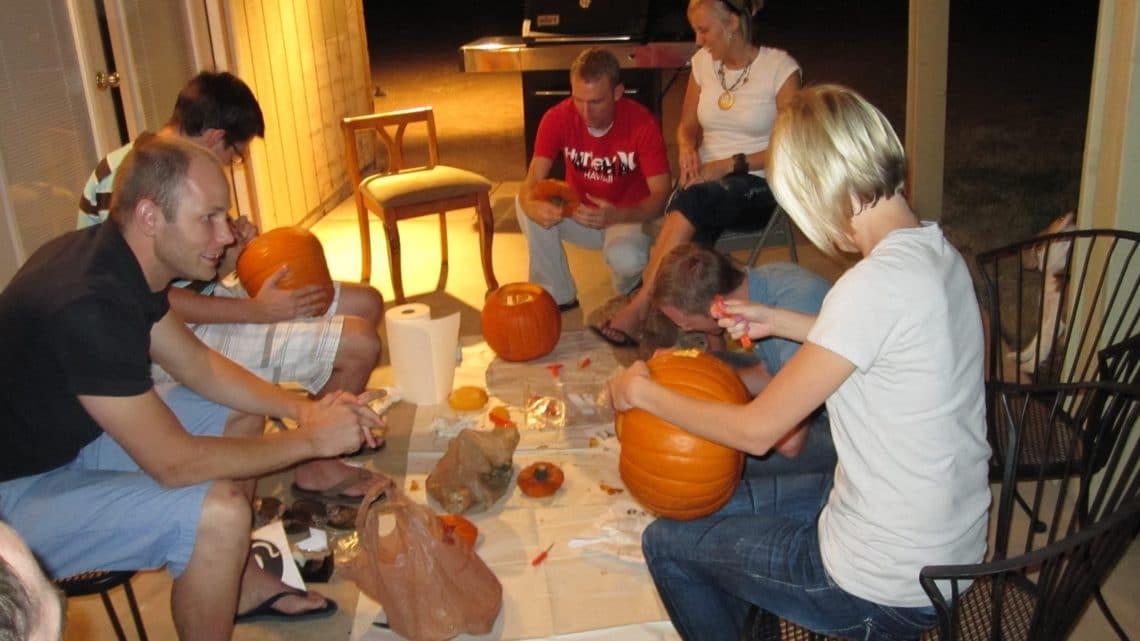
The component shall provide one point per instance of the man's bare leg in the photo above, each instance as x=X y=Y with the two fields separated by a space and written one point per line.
x=241 y=424
x=363 y=301
x=205 y=596
x=356 y=356
x=221 y=578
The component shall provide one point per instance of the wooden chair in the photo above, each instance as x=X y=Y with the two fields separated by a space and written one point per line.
x=398 y=192
x=101 y=583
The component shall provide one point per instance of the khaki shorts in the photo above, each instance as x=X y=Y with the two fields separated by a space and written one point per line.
x=300 y=351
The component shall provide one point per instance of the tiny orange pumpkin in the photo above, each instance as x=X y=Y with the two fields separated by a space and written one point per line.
x=540 y=479
x=557 y=192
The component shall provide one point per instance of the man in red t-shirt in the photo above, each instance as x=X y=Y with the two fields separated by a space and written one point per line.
x=615 y=160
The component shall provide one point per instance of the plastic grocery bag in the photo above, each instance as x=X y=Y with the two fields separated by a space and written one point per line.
x=432 y=586
x=475 y=471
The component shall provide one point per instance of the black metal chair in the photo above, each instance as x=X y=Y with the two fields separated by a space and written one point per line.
x=779 y=228
x=1039 y=595
x=1052 y=302
x=1099 y=419
x=101 y=583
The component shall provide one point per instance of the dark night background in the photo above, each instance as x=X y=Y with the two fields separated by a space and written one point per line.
x=1018 y=83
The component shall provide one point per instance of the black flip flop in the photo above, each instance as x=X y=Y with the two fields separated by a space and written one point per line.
x=335 y=494
x=266 y=612
x=625 y=341
x=307 y=513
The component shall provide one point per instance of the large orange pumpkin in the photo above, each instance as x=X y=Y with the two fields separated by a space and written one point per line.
x=671 y=472
x=297 y=248
x=521 y=322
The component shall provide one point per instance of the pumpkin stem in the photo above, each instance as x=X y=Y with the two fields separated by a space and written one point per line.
x=541 y=473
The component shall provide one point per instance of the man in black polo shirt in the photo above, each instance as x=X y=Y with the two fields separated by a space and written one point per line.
x=100 y=469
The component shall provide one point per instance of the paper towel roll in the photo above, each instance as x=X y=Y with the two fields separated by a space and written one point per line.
x=423 y=351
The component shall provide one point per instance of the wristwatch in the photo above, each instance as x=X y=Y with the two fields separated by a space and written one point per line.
x=739 y=164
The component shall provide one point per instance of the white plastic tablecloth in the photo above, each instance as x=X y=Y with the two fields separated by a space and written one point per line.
x=581 y=591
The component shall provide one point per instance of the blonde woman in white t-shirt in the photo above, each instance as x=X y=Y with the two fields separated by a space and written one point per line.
x=896 y=354
x=736 y=87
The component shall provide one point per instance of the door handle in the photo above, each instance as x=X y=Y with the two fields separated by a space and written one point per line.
x=104 y=80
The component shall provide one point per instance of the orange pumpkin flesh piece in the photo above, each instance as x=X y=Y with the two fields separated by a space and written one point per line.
x=460 y=528
x=540 y=479
x=467 y=398
x=296 y=248
x=558 y=192
x=521 y=322
x=669 y=471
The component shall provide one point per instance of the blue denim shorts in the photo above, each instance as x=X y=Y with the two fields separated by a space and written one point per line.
x=101 y=512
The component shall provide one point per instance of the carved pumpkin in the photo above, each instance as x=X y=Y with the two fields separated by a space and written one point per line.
x=671 y=472
x=540 y=479
x=558 y=192
x=521 y=322
x=460 y=528
x=294 y=247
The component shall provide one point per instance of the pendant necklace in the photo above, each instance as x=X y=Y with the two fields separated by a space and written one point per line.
x=726 y=99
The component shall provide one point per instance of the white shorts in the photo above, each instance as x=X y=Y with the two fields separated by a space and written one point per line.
x=299 y=351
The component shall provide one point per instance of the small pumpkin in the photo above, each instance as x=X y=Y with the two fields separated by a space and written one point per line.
x=467 y=398
x=521 y=322
x=540 y=479
x=460 y=528
x=297 y=248
x=669 y=471
x=558 y=192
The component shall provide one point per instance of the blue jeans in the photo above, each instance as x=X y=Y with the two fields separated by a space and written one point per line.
x=762 y=548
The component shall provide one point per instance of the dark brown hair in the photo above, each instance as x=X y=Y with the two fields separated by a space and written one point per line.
x=690 y=276
x=218 y=100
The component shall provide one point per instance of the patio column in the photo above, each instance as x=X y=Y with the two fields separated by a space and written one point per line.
x=925 y=137
x=1110 y=178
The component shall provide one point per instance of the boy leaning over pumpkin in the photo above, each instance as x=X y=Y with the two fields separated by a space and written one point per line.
x=689 y=280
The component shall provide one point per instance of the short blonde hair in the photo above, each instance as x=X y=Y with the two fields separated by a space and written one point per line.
x=830 y=147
